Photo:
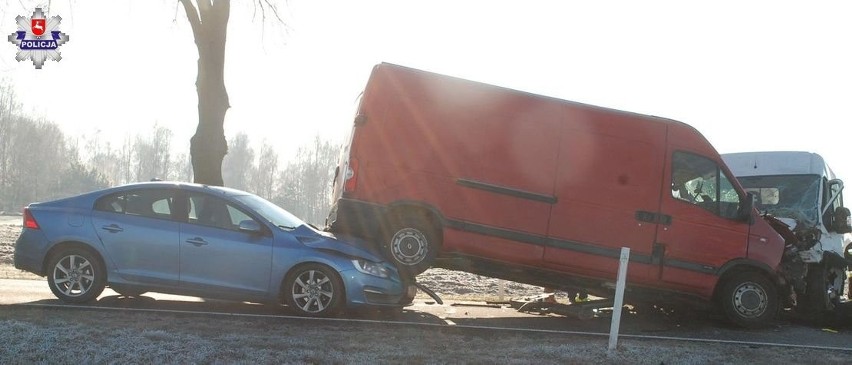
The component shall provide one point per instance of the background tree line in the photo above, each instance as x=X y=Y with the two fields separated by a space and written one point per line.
x=39 y=162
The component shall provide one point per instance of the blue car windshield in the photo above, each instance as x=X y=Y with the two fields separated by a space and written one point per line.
x=271 y=212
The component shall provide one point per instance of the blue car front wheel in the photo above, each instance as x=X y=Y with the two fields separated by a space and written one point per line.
x=314 y=290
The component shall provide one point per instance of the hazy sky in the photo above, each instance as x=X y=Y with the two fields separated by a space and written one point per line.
x=750 y=75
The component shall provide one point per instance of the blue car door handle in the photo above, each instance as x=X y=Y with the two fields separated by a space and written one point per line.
x=112 y=228
x=197 y=241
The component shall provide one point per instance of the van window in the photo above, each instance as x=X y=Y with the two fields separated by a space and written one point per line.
x=699 y=181
x=791 y=196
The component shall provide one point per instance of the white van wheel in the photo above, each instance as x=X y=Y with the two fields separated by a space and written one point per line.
x=412 y=246
x=824 y=289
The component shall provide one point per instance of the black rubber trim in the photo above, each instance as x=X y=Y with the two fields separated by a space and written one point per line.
x=544 y=241
x=691 y=266
x=507 y=191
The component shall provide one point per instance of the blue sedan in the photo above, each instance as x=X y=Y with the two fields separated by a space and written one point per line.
x=202 y=241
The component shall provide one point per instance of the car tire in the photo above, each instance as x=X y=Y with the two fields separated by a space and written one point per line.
x=76 y=275
x=314 y=290
x=819 y=305
x=750 y=300
x=412 y=245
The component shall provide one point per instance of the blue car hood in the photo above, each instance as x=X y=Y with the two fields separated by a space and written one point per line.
x=348 y=245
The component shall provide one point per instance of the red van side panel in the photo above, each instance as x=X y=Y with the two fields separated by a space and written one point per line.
x=611 y=167
x=427 y=133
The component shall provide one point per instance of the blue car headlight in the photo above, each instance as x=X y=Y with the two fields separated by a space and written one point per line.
x=370 y=268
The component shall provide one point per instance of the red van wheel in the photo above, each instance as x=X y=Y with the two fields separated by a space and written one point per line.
x=750 y=300
x=412 y=246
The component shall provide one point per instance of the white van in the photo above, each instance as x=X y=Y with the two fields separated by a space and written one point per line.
x=801 y=190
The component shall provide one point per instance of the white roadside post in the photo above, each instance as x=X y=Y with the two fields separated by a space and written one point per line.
x=502 y=290
x=619 y=298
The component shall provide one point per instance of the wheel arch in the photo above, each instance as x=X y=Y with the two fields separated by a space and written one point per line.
x=402 y=208
x=53 y=251
x=739 y=266
x=282 y=285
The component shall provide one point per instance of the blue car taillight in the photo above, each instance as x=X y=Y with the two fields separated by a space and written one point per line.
x=29 y=220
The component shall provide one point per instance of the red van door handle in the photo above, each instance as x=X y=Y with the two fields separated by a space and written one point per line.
x=652 y=217
x=645 y=216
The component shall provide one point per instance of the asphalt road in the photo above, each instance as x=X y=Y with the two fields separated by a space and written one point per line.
x=695 y=325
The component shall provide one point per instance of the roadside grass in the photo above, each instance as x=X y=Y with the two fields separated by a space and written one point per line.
x=36 y=335
x=65 y=335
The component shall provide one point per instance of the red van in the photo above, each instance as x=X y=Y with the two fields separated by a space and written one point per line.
x=459 y=174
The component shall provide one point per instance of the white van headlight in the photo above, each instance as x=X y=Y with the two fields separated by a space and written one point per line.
x=370 y=268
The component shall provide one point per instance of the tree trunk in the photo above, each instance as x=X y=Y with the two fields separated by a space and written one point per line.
x=208 y=146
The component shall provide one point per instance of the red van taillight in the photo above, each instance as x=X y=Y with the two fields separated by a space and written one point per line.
x=29 y=221
x=350 y=177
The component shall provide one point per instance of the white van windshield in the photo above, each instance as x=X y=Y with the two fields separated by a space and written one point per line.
x=789 y=196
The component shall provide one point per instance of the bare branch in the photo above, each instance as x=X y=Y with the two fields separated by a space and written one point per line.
x=193 y=17
x=177 y=8
x=204 y=6
x=274 y=10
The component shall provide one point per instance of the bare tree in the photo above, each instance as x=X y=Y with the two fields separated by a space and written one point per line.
x=102 y=157
x=125 y=156
x=77 y=177
x=152 y=156
x=7 y=108
x=181 y=168
x=35 y=140
x=209 y=21
x=263 y=178
x=305 y=184
x=237 y=165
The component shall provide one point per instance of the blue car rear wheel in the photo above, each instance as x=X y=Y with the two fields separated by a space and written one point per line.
x=76 y=275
